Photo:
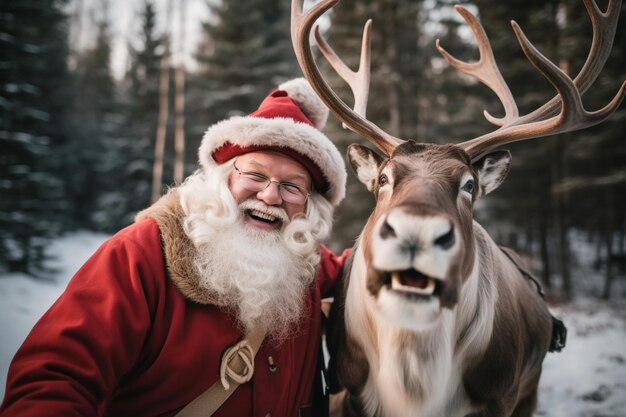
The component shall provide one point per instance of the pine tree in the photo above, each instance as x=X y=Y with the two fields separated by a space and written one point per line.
x=278 y=61
x=233 y=74
x=141 y=99
x=394 y=90
x=535 y=224
x=597 y=157
x=556 y=182
x=449 y=103
x=143 y=73
x=245 y=54
x=96 y=149
x=33 y=87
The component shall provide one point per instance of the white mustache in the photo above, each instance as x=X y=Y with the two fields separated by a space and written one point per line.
x=277 y=212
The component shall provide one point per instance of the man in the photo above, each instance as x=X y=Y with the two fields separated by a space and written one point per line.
x=234 y=251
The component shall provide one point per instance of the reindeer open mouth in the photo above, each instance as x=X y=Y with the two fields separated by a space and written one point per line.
x=413 y=283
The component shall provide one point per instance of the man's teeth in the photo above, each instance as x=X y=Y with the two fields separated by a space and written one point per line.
x=396 y=284
x=262 y=215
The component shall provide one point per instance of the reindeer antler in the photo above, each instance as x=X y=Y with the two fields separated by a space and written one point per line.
x=546 y=120
x=301 y=24
x=563 y=113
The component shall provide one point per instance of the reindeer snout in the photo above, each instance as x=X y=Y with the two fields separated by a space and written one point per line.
x=405 y=239
x=443 y=239
x=418 y=231
x=386 y=230
x=446 y=240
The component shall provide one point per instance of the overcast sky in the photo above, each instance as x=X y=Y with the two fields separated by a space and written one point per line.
x=125 y=18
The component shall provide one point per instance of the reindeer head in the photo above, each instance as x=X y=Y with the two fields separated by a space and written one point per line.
x=418 y=244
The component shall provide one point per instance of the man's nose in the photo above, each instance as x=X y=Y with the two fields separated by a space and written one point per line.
x=271 y=194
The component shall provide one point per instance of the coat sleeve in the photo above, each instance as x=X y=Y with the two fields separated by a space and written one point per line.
x=330 y=270
x=76 y=354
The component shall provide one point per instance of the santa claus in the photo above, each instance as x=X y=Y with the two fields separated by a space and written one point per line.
x=214 y=292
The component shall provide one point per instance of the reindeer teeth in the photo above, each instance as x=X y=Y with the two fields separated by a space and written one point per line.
x=427 y=289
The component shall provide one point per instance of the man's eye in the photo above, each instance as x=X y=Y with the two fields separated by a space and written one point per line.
x=254 y=176
x=290 y=188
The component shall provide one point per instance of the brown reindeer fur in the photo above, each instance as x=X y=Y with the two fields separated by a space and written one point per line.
x=483 y=353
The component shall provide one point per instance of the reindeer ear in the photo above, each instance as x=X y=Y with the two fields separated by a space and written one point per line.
x=492 y=169
x=365 y=163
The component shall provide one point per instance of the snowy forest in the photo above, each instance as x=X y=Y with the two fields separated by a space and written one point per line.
x=84 y=149
x=87 y=142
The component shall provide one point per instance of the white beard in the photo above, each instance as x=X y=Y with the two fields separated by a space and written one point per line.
x=255 y=276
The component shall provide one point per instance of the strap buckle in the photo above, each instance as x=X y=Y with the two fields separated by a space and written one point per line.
x=237 y=364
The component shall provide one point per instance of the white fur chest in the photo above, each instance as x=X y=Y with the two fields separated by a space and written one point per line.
x=418 y=375
x=410 y=373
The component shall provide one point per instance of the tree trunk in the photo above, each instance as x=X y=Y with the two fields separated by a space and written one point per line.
x=164 y=82
x=608 y=241
x=561 y=199
x=561 y=221
x=543 y=220
x=179 y=134
x=392 y=81
x=76 y=33
x=544 y=251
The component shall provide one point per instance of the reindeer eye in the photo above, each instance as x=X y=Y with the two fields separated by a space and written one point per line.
x=382 y=180
x=468 y=187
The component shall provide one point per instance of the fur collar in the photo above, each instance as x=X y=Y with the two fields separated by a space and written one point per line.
x=177 y=247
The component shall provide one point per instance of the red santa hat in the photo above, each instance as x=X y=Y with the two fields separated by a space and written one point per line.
x=288 y=121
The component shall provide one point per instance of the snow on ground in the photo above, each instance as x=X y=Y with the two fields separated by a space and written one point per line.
x=23 y=300
x=587 y=379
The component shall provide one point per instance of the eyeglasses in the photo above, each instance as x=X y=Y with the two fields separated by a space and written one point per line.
x=256 y=182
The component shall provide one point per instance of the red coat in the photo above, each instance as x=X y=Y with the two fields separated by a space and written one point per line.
x=123 y=340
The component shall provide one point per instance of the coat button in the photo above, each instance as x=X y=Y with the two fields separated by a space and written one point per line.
x=271 y=365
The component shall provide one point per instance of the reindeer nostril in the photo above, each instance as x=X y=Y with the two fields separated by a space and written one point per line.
x=446 y=241
x=386 y=231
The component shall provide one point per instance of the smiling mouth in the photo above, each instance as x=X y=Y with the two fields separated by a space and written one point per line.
x=412 y=283
x=262 y=216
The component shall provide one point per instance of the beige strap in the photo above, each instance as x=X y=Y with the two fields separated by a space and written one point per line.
x=237 y=368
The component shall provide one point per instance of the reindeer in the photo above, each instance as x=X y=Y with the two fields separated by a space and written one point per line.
x=433 y=318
